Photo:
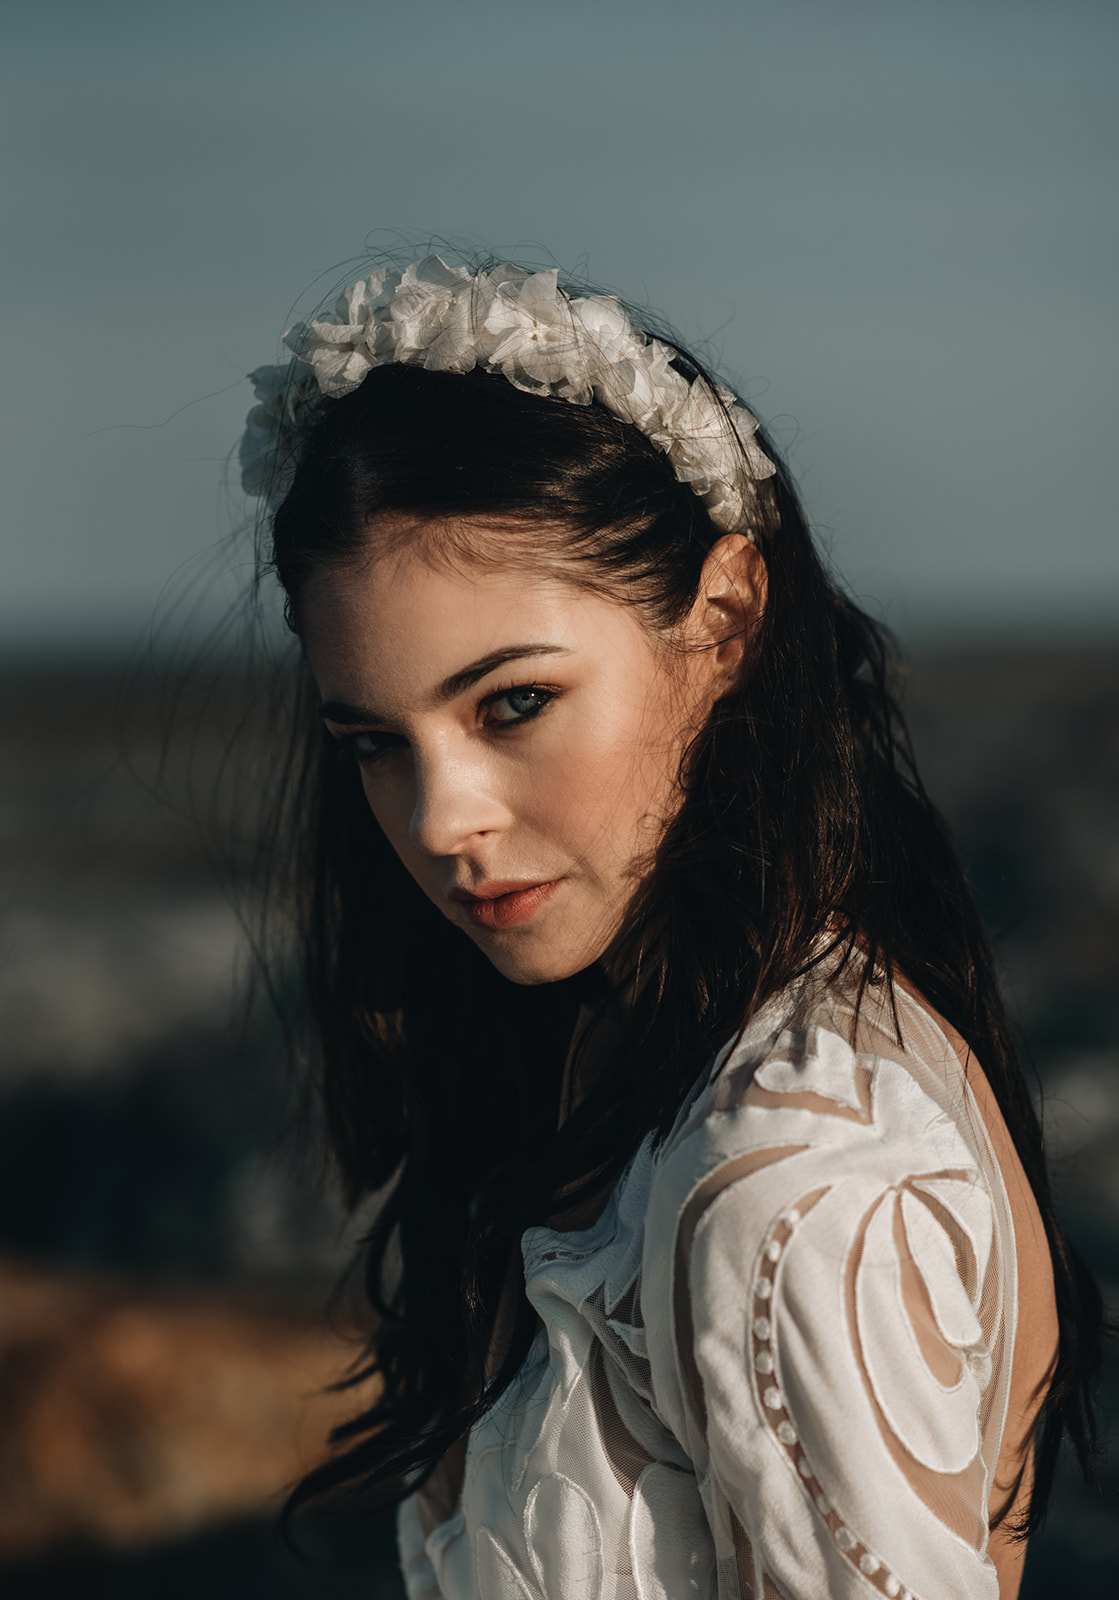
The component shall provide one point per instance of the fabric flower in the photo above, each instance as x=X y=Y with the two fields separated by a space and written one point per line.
x=271 y=428
x=423 y=309
x=530 y=337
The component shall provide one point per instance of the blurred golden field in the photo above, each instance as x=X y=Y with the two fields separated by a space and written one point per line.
x=128 y=1416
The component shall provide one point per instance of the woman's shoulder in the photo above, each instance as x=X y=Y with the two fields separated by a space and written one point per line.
x=859 y=1106
x=856 y=1107
x=870 y=1081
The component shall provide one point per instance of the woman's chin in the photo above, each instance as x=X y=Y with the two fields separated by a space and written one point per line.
x=527 y=960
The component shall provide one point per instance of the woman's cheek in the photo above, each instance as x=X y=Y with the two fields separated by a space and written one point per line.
x=593 y=790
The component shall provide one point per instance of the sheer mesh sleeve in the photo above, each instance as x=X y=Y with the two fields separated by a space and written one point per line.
x=420 y=1582
x=839 y=1284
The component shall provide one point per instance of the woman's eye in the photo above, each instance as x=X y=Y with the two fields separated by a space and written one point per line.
x=517 y=705
x=368 y=746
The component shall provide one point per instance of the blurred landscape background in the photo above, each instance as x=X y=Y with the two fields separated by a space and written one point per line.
x=893 y=225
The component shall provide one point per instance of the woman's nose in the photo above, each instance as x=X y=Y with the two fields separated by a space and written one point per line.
x=454 y=803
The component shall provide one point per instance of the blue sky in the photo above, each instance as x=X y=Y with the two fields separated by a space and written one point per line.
x=893 y=224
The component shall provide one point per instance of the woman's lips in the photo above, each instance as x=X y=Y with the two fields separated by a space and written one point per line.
x=505 y=905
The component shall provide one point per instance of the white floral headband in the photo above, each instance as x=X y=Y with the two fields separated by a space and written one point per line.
x=542 y=340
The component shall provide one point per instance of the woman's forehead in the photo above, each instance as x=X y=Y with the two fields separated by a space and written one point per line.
x=434 y=585
x=463 y=540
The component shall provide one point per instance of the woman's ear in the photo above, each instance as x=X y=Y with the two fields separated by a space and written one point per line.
x=728 y=608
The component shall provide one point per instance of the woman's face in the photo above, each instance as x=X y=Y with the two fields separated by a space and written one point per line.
x=518 y=739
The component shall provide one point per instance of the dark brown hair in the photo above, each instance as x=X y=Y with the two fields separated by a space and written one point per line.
x=803 y=816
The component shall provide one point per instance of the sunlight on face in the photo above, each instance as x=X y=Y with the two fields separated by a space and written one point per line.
x=519 y=742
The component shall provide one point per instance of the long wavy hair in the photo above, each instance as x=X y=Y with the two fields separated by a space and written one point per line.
x=802 y=820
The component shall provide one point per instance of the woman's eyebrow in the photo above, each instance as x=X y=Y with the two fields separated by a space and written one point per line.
x=347 y=716
x=477 y=670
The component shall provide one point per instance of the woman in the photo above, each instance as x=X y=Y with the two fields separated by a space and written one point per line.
x=716 y=1253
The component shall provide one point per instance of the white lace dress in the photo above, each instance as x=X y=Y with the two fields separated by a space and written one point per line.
x=777 y=1366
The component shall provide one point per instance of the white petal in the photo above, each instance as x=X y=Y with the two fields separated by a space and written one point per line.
x=497 y=1575
x=671 y=1549
x=564 y=1540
